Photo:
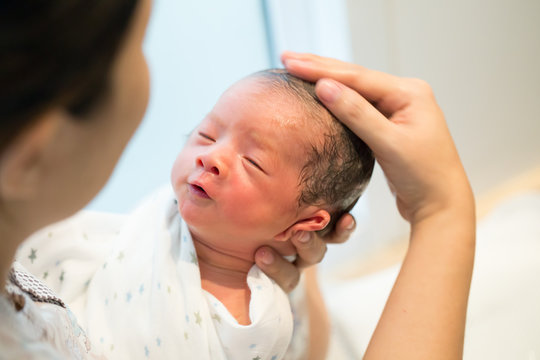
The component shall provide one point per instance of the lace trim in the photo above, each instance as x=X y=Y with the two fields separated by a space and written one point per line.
x=33 y=287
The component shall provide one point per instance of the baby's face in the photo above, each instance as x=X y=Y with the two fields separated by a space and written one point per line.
x=237 y=178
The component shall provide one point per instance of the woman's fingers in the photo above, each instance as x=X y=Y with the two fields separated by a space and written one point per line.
x=284 y=273
x=344 y=228
x=373 y=85
x=356 y=113
x=310 y=249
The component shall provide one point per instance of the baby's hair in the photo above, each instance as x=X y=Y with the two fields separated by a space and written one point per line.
x=337 y=171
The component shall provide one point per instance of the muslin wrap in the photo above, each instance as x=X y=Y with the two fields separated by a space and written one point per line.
x=136 y=289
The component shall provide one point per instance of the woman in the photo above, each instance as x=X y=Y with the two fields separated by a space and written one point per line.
x=74 y=89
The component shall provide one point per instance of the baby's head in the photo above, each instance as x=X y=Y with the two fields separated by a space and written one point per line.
x=338 y=165
x=267 y=161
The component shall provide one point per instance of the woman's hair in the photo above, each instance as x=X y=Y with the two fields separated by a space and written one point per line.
x=337 y=171
x=56 y=53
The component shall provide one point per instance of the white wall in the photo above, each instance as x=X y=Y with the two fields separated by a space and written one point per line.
x=195 y=50
x=481 y=57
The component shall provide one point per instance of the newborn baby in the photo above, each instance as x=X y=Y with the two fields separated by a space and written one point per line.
x=268 y=161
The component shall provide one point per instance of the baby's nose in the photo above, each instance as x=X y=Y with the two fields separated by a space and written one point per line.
x=212 y=163
x=213 y=169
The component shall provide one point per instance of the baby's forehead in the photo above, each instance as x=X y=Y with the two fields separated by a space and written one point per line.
x=287 y=111
x=299 y=110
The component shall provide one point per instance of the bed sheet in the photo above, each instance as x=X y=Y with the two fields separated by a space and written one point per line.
x=503 y=320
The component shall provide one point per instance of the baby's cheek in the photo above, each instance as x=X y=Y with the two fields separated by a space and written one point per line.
x=179 y=172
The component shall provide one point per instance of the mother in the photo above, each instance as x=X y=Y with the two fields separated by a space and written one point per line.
x=74 y=87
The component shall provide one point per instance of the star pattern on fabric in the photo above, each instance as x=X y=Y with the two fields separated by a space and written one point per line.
x=120 y=256
x=146 y=351
x=141 y=289
x=198 y=319
x=186 y=335
x=158 y=341
x=32 y=255
x=61 y=278
x=128 y=296
x=217 y=318
x=257 y=358
x=45 y=274
x=194 y=259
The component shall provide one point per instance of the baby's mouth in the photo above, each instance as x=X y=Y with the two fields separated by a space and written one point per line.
x=198 y=191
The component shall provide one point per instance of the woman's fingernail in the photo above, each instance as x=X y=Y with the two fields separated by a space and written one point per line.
x=328 y=90
x=287 y=55
x=266 y=257
x=350 y=226
x=304 y=237
x=291 y=63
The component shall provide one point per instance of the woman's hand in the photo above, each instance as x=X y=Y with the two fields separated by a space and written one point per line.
x=310 y=251
x=400 y=121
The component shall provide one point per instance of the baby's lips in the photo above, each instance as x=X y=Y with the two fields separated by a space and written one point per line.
x=200 y=187
x=202 y=181
x=198 y=191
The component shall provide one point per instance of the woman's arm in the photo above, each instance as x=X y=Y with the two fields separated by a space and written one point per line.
x=319 y=321
x=400 y=120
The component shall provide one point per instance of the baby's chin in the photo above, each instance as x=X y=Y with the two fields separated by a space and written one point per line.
x=190 y=213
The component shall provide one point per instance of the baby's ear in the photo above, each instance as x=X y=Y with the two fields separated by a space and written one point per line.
x=315 y=221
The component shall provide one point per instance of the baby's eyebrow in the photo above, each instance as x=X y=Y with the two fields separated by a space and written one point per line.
x=261 y=142
x=213 y=119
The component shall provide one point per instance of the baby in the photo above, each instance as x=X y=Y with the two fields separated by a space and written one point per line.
x=268 y=161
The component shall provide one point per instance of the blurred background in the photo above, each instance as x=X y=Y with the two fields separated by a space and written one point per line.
x=482 y=60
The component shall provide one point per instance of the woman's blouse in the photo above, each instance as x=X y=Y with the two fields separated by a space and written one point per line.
x=36 y=324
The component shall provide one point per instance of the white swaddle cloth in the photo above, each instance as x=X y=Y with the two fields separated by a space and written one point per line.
x=146 y=300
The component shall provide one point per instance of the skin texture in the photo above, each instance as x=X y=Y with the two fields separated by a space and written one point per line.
x=401 y=122
x=237 y=186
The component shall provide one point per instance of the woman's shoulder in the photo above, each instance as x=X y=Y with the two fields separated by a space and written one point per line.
x=36 y=323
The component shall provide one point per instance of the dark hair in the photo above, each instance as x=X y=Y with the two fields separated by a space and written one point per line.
x=56 y=53
x=337 y=171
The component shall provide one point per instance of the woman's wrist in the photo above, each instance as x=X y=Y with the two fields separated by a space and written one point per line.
x=455 y=221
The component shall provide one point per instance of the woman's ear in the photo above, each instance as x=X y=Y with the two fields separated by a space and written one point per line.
x=315 y=221
x=22 y=161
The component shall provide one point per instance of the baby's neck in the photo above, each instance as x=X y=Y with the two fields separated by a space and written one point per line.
x=225 y=276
